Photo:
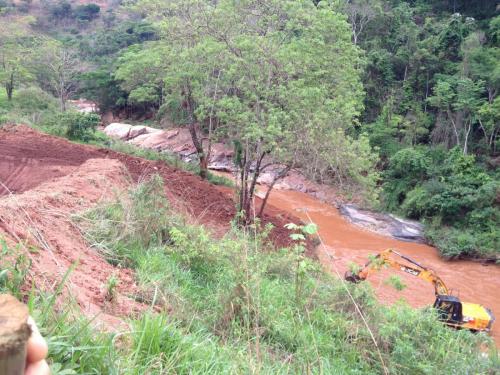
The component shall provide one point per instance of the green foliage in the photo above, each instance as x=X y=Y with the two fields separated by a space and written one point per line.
x=61 y=9
x=86 y=12
x=446 y=190
x=14 y=268
x=230 y=79
x=139 y=222
x=300 y=232
x=80 y=126
x=64 y=10
x=29 y=106
x=396 y=282
x=232 y=306
x=103 y=88
x=406 y=169
x=104 y=44
x=71 y=124
x=141 y=73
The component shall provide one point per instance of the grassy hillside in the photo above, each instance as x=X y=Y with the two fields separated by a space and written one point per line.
x=233 y=306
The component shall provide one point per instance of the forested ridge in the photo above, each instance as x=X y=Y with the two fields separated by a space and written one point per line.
x=394 y=102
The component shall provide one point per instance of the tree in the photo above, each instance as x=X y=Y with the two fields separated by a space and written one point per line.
x=86 y=12
x=141 y=71
x=276 y=77
x=489 y=121
x=16 y=45
x=58 y=70
x=459 y=99
x=61 y=10
x=360 y=14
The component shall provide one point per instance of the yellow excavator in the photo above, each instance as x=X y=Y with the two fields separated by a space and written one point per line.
x=451 y=310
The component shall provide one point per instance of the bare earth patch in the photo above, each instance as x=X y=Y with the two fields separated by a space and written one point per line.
x=40 y=219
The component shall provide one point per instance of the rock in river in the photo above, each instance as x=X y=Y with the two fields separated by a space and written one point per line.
x=389 y=225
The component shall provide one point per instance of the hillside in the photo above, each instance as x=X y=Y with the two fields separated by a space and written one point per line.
x=211 y=240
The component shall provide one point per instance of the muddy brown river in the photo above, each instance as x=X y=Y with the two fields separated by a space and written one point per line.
x=345 y=243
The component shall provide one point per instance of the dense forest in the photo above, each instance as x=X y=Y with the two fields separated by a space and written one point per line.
x=394 y=102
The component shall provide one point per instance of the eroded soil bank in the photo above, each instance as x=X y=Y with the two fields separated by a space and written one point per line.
x=39 y=225
x=28 y=158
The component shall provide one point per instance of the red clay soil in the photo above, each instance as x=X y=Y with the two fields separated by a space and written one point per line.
x=28 y=158
x=38 y=223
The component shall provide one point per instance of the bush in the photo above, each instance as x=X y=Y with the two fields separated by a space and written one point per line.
x=446 y=189
x=29 y=106
x=466 y=242
x=31 y=99
x=407 y=168
x=86 y=12
x=73 y=125
x=61 y=10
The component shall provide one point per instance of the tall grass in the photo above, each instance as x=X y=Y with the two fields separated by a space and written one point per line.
x=229 y=306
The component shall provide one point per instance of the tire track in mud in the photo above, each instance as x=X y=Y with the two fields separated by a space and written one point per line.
x=13 y=172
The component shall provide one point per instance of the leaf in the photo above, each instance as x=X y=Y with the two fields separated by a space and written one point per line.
x=297 y=237
x=310 y=228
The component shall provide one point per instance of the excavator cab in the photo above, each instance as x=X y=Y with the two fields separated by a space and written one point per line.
x=449 y=309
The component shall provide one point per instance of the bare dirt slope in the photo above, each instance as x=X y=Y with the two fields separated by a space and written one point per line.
x=39 y=222
x=28 y=157
x=44 y=180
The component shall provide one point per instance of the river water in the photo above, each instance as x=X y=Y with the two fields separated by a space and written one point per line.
x=345 y=243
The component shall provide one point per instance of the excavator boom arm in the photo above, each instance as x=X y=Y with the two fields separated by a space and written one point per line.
x=415 y=269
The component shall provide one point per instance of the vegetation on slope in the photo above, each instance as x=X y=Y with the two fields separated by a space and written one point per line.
x=355 y=90
x=412 y=116
x=233 y=306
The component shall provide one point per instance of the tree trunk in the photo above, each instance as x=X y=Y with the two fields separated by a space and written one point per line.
x=9 y=91
x=277 y=177
x=62 y=103
x=466 y=140
x=455 y=129
x=203 y=161
x=244 y=204
x=9 y=87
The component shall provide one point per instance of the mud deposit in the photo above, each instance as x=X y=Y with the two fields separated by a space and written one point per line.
x=346 y=243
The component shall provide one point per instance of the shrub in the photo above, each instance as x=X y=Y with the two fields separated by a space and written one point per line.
x=31 y=99
x=446 y=189
x=86 y=12
x=80 y=125
x=73 y=125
